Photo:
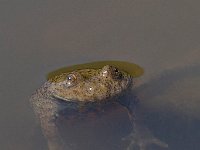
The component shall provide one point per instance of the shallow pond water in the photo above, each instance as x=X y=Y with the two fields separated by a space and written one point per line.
x=37 y=37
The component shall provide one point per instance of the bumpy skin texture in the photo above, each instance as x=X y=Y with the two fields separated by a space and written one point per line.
x=87 y=85
x=91 y=85
x=45 y=110
x=84 y=87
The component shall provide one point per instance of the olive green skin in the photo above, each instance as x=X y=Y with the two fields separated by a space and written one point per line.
x=90 y=84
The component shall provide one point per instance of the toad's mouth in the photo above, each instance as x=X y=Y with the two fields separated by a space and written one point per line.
x=60 y=98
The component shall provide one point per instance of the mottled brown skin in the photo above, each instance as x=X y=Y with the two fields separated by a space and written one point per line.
x=83 y=86
x=87 y=85
x=91 y=85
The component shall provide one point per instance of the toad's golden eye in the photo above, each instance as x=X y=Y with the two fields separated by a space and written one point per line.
x=71 y=79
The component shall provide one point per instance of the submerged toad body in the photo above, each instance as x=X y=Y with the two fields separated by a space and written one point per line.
x=84 y=86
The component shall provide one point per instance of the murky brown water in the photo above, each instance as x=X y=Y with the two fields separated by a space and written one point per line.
x=161 y=36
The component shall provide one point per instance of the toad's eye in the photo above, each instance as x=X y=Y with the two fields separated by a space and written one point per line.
x=116 y=70
x=117 y=73
x=71 y=79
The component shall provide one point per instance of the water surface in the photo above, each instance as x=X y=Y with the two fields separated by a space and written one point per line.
x=37 y=37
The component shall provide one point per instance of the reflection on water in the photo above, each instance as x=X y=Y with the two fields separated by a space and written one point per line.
x=162 y=36
x=133 y=69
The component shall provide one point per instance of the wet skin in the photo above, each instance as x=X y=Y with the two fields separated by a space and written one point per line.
x=83 y=86
x=90 y=84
